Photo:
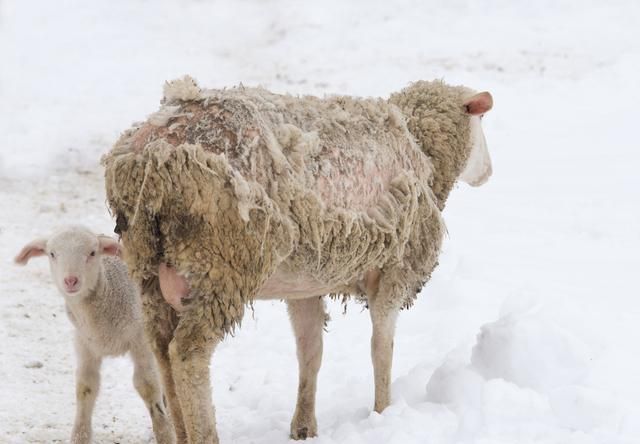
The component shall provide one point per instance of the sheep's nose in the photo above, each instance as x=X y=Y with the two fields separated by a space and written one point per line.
x=70 y=281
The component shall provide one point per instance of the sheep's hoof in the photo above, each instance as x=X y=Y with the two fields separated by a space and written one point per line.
x=301 y=433
x=303 y=424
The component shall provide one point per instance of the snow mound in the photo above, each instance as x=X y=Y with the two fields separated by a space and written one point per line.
x=531 y=351
x=584 y=408
x=526 y=375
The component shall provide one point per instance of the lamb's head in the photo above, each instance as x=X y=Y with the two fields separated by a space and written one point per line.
x=478 y=168
x=74 y=258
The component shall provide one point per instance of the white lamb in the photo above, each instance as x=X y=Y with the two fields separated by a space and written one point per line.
x=105 y=308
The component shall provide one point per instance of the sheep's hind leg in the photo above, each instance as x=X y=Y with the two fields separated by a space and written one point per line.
x=190 y=354
x=160 y=323
x=87 y=386
x=147 y=383
x=384 y=305
x=308 y=318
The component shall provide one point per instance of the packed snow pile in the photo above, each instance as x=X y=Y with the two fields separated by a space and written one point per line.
x=530 y=351
x=527 y=375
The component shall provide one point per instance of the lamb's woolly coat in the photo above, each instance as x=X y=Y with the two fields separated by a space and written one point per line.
x=230 y=185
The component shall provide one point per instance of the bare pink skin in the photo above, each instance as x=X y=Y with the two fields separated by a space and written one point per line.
x=174 y=287
x=360 y=187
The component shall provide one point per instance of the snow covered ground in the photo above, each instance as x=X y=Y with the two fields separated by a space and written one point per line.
x=528 y=332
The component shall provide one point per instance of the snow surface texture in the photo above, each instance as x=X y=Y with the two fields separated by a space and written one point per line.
x=529 y=329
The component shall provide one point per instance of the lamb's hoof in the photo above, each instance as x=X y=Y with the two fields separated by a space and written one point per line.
x=167 y=437
x=81 y=435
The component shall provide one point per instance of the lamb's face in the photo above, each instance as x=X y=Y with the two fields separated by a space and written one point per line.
x=74 y=259
x=478 y=168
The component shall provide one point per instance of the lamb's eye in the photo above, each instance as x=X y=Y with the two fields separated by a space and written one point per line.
x=53 y=256
x=93 y=253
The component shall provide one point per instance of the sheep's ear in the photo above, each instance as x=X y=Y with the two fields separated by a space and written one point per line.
x=109 y=246
x=478 y=104
x=32 y=249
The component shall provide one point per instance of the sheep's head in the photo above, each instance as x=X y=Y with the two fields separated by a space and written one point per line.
x=478 y=168
x=74 y=258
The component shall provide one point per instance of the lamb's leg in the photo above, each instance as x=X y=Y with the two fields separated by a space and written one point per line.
x=87 y=386
x=147 y=383
x=190 y=354
x=160 y=323
x=307 y=319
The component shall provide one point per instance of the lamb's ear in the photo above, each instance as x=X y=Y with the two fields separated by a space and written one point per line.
x=478 y=104
x=109 y=245
x=34 y=248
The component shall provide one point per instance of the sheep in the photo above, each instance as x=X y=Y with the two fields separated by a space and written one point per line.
x=224 y=197
x=106 y=311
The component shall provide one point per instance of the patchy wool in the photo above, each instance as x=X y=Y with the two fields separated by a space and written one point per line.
x=181 y=90
x=436 y=119
x=231 y=186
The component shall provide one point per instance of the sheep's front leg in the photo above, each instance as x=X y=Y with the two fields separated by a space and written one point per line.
x=147 y=383
x=308 y=317
x=190 y=354
x=161 y=351
x=160 y=323
x=383 y=319
x=87 y=386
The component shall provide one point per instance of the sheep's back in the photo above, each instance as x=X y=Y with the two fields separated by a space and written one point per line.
x=347 y=150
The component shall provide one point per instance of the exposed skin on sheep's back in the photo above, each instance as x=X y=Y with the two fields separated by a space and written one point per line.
x=232 y=186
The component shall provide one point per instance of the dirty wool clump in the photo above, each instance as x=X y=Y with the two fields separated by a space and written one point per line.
x=229 y=186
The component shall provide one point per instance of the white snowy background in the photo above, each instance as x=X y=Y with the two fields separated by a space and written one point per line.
x=529 y=331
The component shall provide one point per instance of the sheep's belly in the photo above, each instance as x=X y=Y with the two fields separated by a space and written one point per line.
x=287 y=285
x=281 y=285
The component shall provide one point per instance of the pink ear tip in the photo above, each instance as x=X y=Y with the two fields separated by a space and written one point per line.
x=480 y=103
x=488 y=97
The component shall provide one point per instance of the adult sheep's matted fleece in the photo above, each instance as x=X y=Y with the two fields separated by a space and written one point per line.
x=224 y=197
x=528 y=330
